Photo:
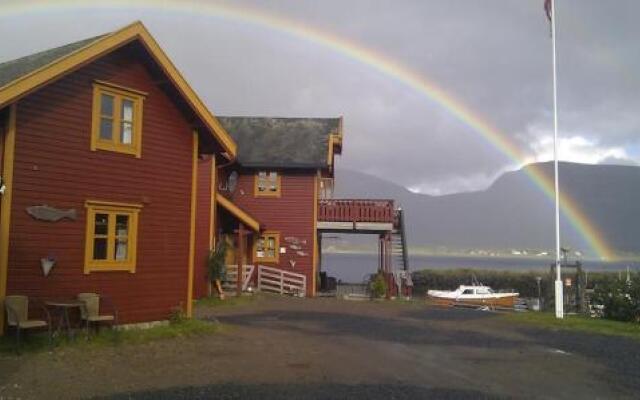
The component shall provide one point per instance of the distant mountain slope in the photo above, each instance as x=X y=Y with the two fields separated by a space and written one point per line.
x=514 y=212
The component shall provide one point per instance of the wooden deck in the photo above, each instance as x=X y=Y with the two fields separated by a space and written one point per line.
x=356 y=215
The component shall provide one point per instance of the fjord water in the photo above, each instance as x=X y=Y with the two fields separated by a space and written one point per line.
x=353 y=268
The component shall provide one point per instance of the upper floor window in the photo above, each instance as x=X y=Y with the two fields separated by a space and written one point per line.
x=111 y=237
x=267 y=183
x=117 y=119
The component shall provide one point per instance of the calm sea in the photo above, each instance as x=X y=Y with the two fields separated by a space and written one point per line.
x=354 y=267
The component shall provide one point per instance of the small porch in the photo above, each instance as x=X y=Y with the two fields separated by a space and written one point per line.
x=238 y=230
x=377 y=217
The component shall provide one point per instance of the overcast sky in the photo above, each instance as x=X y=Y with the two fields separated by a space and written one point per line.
x=494 y=56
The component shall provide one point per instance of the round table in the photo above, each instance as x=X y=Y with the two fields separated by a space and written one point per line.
x=61 y=308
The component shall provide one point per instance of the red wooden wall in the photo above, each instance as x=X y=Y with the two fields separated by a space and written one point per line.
x=203 y=216
x=54 y=166
x=291 y=214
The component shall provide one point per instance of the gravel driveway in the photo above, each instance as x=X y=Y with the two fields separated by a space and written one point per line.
x=329 y=349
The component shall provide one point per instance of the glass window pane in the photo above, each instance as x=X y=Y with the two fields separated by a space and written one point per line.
x=127 y=132
x=106 y=127
x=260 y=248
x=121 y=249
x=273 y=181
x=127 y=110
x=262 y=181
x=106 y=105
x=122 y=225
x=100 y=249
x=101 y=222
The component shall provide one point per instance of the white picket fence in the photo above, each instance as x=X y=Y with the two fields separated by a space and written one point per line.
x=279 y=281
x=230 y=282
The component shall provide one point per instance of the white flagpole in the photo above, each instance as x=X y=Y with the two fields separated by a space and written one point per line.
x=559 y=298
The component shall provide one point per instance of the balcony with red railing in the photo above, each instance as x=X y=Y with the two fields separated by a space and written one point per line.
x=356 y=211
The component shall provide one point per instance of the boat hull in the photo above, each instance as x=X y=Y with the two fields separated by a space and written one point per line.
x=502 y=301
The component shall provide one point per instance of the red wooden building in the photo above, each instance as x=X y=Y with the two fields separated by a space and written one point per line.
x=283 y=164
x=282 y=180
x=102 y=147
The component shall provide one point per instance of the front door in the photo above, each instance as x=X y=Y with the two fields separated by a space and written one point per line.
x=232 y=249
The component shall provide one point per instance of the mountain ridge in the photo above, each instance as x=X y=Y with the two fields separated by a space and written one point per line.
x=513 y=212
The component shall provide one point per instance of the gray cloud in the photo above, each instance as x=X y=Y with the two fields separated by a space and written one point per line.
x=494 y=56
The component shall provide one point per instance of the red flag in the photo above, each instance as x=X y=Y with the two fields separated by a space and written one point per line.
x=548 y=9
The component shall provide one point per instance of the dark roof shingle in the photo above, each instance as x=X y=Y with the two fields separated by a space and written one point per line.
x=14 y=69
x=281 y=142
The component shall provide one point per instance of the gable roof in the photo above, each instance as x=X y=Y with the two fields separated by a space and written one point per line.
x=27 y=74
x=283 y=142
x=14 y=69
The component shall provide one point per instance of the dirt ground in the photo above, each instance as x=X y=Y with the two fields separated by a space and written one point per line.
x=329 y=349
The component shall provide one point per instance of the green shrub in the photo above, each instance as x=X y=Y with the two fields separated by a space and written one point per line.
x=378 y=286
x=177 y=315
x=621 y=299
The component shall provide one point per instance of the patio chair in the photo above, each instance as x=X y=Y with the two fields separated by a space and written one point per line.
x=18 y=316
x=90 y=312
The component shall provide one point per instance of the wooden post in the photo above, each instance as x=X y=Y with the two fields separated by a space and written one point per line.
x=281 y=282
x=239 y=259
x=387 y=263
x=316 y=281
x=380 y=255
x=7 y=157
x=192 y=230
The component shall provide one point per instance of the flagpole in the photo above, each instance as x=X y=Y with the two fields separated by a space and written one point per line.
x=559 y=298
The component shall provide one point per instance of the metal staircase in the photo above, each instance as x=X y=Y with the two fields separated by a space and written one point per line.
x=399 y=242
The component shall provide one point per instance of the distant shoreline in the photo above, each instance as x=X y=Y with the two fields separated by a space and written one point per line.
x=425 y=253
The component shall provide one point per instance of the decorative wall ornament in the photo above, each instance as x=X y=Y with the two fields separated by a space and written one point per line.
x=295 y=247
x=301 y=253
x=51 y=214
x=47 y=264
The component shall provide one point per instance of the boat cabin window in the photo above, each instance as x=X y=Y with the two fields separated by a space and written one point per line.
x=468 y=291
x=483 y=291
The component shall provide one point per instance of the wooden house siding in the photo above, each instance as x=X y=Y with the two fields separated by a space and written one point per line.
x=203 y=219
x=291 y=214
x=55 y=166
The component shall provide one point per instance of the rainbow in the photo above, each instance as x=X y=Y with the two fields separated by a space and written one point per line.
x=431 y=91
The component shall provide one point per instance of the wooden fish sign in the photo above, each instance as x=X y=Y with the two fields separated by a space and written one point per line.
x=51 y=214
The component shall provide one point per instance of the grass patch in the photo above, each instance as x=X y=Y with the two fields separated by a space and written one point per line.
x=108 y=337
x=577 y=323
x=229 y=301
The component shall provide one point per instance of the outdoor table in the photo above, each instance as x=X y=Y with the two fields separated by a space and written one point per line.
x=61 y=308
